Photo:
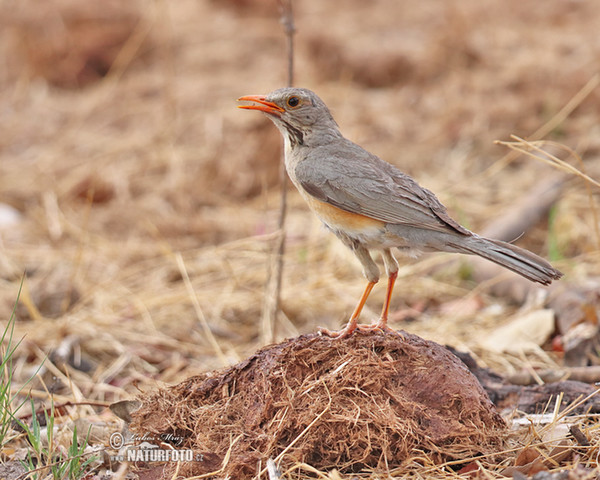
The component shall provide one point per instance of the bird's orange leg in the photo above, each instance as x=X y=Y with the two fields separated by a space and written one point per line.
x=382 y=323
x=353 y=322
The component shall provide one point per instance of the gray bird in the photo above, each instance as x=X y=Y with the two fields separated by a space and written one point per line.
x=371 y=205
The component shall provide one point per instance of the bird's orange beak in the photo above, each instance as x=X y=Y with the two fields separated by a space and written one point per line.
x=264 y=106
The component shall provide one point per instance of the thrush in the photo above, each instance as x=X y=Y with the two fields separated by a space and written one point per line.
x=371 y=205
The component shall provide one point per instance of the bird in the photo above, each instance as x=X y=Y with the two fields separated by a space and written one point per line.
x=370 y=205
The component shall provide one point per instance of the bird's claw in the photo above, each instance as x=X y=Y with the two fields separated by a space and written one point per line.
x=348 y=330
x=337 y=334
x=375 y=327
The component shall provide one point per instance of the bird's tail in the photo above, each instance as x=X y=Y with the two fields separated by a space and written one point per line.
x=517 y=259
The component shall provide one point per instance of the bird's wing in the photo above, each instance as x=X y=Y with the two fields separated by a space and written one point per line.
x=350 y=178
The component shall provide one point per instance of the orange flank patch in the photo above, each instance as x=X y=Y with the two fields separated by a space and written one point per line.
x=341 y=219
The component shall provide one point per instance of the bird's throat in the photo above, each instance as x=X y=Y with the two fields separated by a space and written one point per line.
x=295 y=135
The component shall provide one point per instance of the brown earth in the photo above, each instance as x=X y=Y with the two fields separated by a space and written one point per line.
x=371 y=401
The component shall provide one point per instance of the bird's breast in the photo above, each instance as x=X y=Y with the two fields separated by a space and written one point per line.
x=341 y=220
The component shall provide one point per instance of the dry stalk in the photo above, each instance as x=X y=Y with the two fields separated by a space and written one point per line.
x=272 y=298
x=551 y=124
x=223 y=465
x=527 y=148
x=534 y=150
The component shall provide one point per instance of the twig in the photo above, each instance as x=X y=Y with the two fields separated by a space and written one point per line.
x=579 y=436
x=527 y=210
x=61 y=406
x=273 y=294
x=525 y=147
x=287 y=19
x=224 y=463
x=589 y=374
x=551 y=124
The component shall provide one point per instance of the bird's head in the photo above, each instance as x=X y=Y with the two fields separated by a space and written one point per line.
x=301 y=116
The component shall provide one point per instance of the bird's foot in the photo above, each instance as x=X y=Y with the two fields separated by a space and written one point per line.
x=380 y=326
x=375 y=327
x=338 y=334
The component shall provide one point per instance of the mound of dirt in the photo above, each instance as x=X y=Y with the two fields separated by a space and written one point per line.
x=365 y=402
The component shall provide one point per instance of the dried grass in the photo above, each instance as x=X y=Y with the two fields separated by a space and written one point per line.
x=370 y=402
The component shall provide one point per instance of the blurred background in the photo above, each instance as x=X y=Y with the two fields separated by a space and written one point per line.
x=143 y=205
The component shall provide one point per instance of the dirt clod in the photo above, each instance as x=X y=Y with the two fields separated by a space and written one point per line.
x=365 y=402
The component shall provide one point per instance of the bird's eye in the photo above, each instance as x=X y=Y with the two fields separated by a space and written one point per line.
x=293 y=102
